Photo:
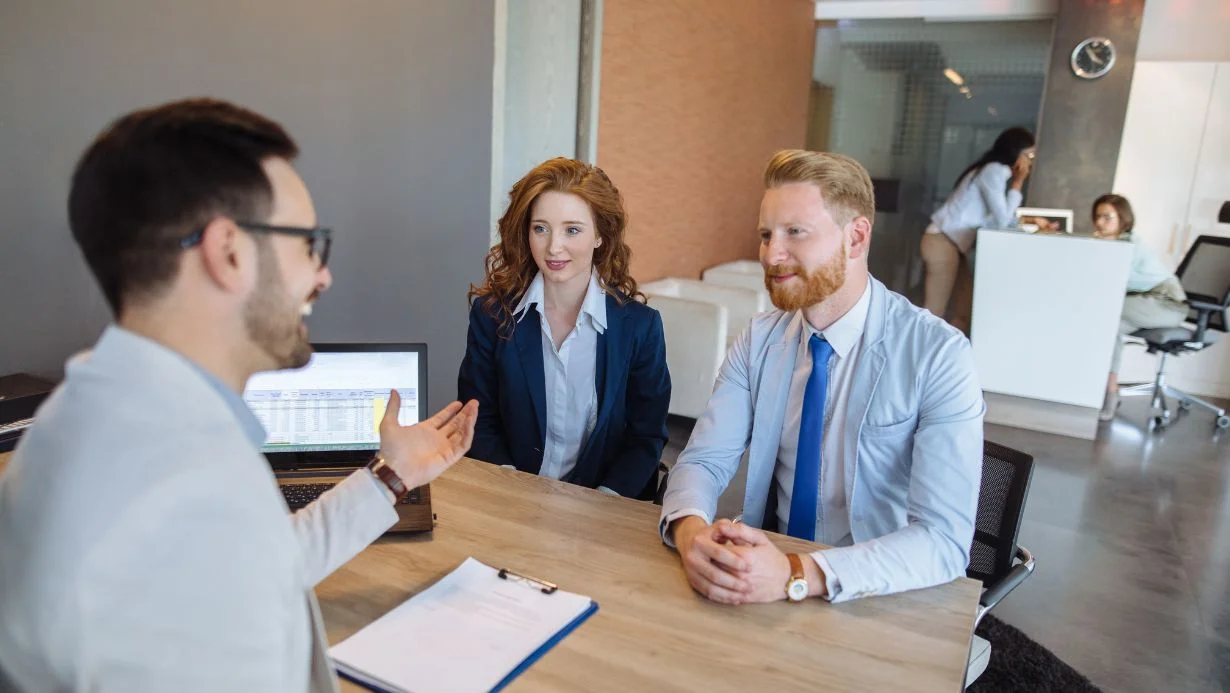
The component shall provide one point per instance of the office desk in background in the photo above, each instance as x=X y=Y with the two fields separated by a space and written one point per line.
x=652 y=631
x=1045 y=321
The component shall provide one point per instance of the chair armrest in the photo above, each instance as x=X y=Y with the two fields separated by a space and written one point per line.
x=995 y=593
x=1204 y=312
x=1205 y=306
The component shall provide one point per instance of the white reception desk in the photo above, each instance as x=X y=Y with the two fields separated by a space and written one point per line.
x=1045 y=318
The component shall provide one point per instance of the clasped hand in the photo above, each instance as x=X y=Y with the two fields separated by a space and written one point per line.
x=730 y=562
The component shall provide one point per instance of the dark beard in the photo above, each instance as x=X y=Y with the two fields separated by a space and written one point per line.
x=272 y=323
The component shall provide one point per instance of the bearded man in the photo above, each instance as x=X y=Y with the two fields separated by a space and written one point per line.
x=860 y=414
x=146 y=546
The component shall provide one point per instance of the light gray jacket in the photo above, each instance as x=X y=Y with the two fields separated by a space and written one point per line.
x=913 y=461
x=144 y=545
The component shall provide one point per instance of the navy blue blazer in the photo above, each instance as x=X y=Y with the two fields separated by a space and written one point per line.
x=506 y=376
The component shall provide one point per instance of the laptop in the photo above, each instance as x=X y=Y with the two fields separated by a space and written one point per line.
x=322 y=420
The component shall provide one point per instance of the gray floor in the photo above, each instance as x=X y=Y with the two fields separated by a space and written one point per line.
x=1132 y=538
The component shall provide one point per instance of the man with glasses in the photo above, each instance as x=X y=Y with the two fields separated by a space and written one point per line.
x=145 y=545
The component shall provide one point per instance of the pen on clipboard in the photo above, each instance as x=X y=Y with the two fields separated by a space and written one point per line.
x=541 y=585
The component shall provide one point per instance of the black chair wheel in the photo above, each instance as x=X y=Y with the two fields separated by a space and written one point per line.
x=1156 y=423
x=1223 y=421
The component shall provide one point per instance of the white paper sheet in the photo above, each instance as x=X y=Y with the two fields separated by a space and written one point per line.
x=467 y=632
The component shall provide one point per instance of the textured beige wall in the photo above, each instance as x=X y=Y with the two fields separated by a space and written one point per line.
x=695 y=98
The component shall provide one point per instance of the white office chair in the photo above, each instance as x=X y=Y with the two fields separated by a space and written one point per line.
x=741 y=303
x=695 y=333
x=744 y=273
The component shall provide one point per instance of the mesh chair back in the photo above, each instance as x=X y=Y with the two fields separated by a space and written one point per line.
x=1205 y=276
x=1001 y=502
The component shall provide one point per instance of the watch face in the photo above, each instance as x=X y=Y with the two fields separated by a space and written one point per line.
x=797 y=590
x=1093 y=57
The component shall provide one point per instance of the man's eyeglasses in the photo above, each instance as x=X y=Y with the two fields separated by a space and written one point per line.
x=321 y=239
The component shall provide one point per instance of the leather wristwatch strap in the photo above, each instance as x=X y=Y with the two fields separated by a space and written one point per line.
x=796 y=586
x=796 y=566
x=386 y=474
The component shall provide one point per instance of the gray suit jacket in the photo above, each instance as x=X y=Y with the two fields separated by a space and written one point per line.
x=913 y=460
x=146 y=546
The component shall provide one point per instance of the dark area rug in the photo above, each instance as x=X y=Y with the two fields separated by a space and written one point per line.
x=1020 y=664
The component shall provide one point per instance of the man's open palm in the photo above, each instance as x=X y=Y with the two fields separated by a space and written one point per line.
x=422 y=452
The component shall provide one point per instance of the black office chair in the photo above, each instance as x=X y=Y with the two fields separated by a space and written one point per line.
x=663 y=474
x=995 y=558
x=1205 y=277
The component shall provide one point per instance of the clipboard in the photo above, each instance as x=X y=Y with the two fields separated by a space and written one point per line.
x=476 y=629
x=546 y=588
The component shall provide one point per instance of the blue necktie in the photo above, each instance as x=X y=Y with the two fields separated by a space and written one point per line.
x=803 y=497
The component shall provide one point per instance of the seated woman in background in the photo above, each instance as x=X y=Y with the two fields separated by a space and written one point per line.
x=988 y=194
x=1154 y=296
x=566 y=361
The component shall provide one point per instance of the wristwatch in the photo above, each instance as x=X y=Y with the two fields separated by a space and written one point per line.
x=796 y=588
x=382 y=471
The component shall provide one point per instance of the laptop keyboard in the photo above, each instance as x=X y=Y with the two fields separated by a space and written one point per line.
x=299 y=495
x=15 y=426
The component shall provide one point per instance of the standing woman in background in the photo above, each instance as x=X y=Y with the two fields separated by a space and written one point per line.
x=1155 y=298
x=567 y=362
x=987 y=194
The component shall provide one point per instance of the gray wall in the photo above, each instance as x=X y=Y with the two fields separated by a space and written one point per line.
x=390 y=101
x=1082 y=120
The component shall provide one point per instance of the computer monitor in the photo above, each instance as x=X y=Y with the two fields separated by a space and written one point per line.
x=1033 y=219
x=329 y=411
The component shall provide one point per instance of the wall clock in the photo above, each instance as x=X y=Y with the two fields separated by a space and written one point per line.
x=1093 y=57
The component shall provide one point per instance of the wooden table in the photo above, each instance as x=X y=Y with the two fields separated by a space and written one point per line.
x=652 y=632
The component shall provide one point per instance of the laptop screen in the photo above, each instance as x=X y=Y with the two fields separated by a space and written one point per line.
x=336 y=402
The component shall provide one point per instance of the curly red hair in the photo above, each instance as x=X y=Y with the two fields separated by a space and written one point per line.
x=510 y=265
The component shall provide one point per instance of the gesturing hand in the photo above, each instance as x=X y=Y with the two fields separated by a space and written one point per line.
x=422 y=452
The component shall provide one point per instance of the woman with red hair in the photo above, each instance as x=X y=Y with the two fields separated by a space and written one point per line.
x=567 y=362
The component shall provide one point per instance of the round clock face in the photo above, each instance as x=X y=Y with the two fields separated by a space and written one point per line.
x=1093 y=57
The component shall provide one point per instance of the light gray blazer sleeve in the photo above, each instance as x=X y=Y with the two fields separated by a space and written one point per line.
x=711 y=457
x=946 y=471
x=341 y=523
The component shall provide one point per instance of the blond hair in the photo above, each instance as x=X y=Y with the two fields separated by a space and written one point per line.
x=844 y=183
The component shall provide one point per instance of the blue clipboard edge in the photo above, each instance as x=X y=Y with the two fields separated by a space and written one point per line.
x=520 y=669
x=546 y=646
x=365 y=683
